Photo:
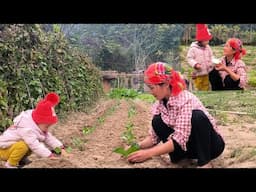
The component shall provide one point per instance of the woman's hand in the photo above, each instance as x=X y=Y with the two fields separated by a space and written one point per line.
x=220 y=67
x=143 y=155
x=223 y=67
x=139 y=156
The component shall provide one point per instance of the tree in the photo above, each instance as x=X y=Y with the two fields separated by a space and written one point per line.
x=135 y=44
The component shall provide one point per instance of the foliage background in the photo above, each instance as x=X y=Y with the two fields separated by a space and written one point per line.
x=34 y=62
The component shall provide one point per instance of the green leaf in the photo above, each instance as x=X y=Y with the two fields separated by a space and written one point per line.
x=121 y=151
x=87 y=130
x=56 y=28
x=69 y=149
x=57 y=150
x=134 y=147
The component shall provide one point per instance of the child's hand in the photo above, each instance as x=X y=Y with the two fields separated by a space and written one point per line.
x=198 y=66
x=52 y=156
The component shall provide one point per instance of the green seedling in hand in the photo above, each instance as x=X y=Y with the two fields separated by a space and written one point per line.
x=134 y=147
x=57 y=150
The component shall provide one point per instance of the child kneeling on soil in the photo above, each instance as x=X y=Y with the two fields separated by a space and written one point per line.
x=30 y=132
x=180 y=121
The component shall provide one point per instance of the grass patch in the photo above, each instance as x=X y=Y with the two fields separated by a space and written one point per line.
x=250 y=153
x=236 y=101
x=78 y=143
x=252 y=78
x=88 y=130
x=236 y=153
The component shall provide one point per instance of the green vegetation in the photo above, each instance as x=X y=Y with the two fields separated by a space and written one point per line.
x=243 y=154
x=219 y=103
x=134 y=147
x=131 y=94
x=128 y=136
x=5 y=121
x=221 y=32
x=123 y=93
x=252 y=78
x=132 y=111
x=69 y=149
x=57 y=150
x=126 y=47
x=78 y=143
x=236 y=101
x=146 y=97
x=34 y=62
x=236 y=153
x=129 y=47
x=89 y=129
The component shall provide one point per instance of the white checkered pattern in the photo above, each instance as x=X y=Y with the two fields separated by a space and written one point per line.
x=178 y=116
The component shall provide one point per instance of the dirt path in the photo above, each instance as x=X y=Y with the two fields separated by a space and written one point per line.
x=94 y=150
x=240 y=151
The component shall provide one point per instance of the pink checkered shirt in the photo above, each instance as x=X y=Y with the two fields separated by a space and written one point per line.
x=178 y=116
x=237 y=67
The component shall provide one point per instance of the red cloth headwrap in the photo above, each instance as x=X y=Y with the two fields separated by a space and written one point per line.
x=160 y=72
x=237 y=45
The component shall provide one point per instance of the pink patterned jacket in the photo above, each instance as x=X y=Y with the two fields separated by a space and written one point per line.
x=178 y=116
x=26 y=129
x=201 y=55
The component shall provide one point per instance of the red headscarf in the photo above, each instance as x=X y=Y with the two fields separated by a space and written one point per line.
x=237 y=44
x=160 y=72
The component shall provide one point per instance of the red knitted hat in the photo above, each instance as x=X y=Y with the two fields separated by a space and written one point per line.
x=202 y=33
x=159 y=72
x=44 y=111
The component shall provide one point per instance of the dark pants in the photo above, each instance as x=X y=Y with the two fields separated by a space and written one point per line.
x=204 y=143
x=216 y=82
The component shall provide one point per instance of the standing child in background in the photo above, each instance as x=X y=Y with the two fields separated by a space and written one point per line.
x=30 y=132
x=200 y=56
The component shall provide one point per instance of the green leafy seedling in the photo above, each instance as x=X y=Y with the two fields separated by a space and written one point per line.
x=57 y=150
x=101 y=119
x=88 y=130
x=69 y=149
x=134 y=147
x=121 y=151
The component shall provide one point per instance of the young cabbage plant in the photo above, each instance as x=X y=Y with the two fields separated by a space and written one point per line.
x=134 y=147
